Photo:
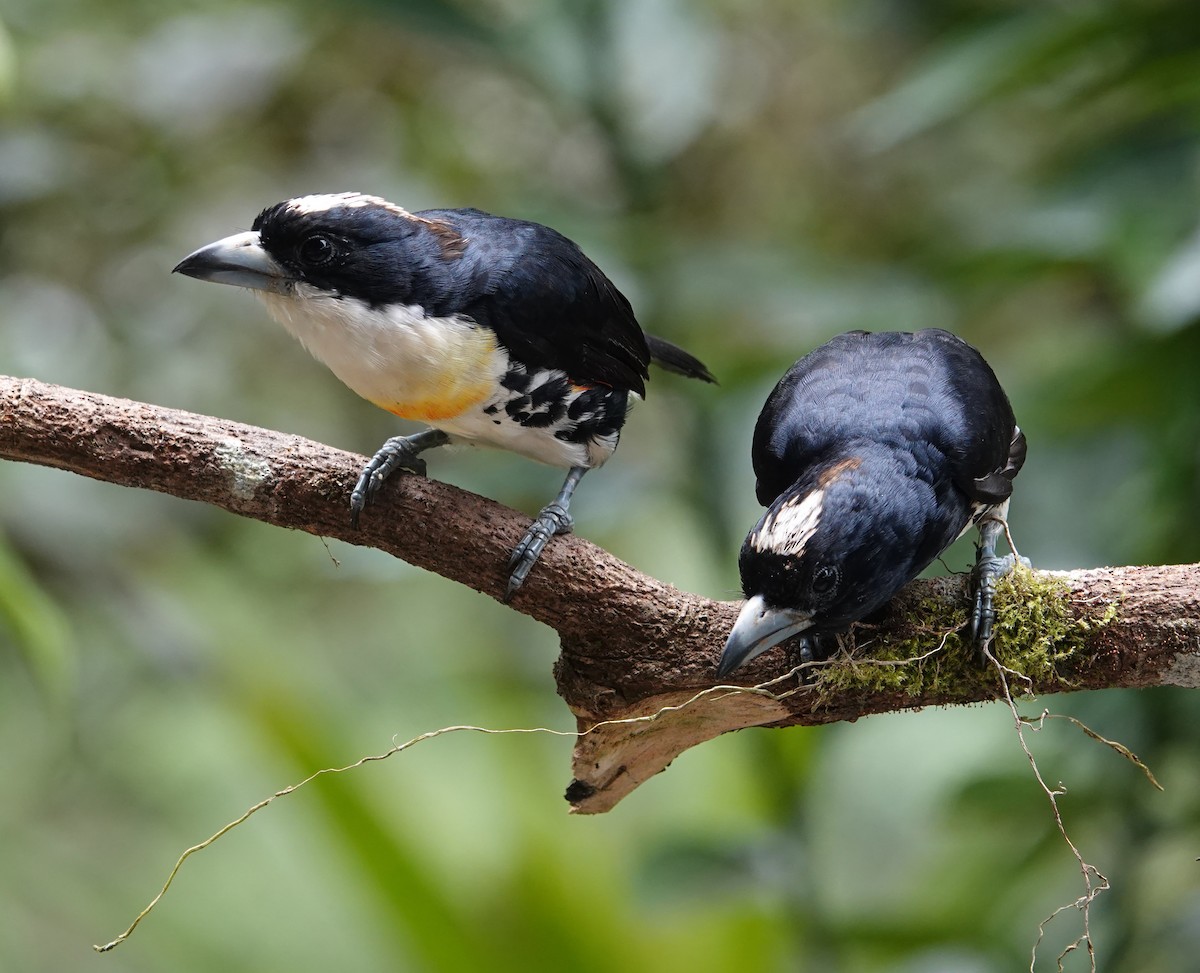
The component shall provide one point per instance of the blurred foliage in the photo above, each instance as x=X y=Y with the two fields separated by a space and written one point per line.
x=757 y=175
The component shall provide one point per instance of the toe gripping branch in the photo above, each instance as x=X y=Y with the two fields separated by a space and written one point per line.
x=554 y=518
x=989 y=568
x=399 y=452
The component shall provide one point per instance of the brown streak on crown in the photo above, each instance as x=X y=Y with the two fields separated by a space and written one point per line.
x=452 y=243
x=845 y=466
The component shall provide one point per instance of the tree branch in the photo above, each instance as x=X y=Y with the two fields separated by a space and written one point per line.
x=638 y=656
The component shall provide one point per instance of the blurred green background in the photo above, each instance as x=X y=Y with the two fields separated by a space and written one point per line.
x=757 y=175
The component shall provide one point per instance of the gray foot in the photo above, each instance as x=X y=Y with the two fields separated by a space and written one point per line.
x=554 y=519
x=398 y=453
x=988 y=570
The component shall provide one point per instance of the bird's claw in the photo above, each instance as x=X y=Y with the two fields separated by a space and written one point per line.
x=554 y=519
x=988 y=571
x=397 y=453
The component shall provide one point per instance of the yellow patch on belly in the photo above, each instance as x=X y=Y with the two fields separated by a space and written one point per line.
x=454 y=386
x=417 y=367
x=453 y=403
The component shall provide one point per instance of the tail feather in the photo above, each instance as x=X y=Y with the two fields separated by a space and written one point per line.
x=672 y=358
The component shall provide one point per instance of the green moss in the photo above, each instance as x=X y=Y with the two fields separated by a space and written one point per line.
x=930 y=656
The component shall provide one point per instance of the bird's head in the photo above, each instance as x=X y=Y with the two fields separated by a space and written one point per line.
x=343 y=244
x=816 y=560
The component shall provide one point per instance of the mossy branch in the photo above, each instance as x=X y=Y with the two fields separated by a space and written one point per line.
x=632 y=646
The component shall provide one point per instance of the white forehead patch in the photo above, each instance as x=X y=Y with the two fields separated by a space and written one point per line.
x=788 y=529
x=326 y=201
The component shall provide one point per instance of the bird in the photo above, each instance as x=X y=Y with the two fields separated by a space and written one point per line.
x=872 y=455
x=493 y=331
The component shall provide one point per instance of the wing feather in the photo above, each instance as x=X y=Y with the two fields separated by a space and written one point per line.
x=548 y=303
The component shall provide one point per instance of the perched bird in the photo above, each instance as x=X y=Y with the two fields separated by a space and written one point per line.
x=873 y=454
x=493 y=331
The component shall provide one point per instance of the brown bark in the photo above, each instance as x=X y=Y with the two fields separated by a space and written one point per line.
x=632 y=646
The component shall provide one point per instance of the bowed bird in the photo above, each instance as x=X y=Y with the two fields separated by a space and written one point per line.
x=873 y=454
x=494 y=331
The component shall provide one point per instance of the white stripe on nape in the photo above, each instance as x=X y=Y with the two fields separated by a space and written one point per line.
x=788 y=529
x=322 y=202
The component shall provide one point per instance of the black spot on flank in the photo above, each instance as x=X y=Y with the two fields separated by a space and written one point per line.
x=591 y=400
x=521 y=417
x=552 y=391
x=515 y=380
x=492 y=409
x=606 y=427
x=517 y=406
x=574 y=434
x=538 y=420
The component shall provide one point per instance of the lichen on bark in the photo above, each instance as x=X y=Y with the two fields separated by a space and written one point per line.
x=1037 y=628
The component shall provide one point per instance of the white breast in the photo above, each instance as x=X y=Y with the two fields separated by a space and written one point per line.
x=415 y=366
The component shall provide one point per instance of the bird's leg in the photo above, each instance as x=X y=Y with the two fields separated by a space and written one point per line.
x=808 y=645
x=989 y=568
x=399 y=452
x=554 y=518
x=812 y=647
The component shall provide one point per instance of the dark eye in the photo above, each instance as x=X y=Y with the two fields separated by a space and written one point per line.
x=317 y=250
x=824 y=579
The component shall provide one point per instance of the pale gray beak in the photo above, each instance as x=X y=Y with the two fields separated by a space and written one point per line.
x=239 y=260
x=757 y=629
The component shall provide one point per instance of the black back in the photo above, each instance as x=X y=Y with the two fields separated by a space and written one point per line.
x=924 y=392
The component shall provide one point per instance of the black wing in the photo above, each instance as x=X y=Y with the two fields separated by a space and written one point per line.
x=988 y=450
x=549 y=305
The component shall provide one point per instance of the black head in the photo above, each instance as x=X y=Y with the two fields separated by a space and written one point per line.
x=345 y=244
x=827 y=552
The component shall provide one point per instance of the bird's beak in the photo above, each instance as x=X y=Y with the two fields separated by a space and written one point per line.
x=239 y=260
x=757 y=629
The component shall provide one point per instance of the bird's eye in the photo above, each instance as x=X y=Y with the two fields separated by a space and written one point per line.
x=317 y=250
x=824 y=579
